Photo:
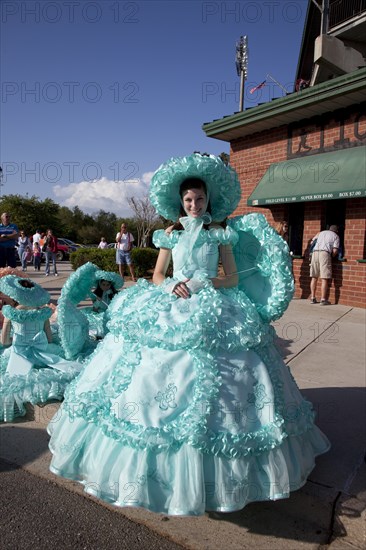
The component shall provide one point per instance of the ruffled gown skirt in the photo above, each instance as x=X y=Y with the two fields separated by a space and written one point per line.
x=32 y=371
x=185 y=406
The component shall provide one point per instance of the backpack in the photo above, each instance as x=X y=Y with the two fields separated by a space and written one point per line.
x=312 y=246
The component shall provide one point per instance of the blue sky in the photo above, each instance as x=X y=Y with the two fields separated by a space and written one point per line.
x=95 y=95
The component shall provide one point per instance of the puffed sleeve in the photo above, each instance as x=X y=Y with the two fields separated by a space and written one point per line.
x=161 y=239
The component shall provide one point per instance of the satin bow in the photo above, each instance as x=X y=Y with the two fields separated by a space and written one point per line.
x=192 y=227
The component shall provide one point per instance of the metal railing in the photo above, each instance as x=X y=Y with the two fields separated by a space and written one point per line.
x=342 y=10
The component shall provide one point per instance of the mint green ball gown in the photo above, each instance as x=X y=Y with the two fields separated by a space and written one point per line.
x=31 y=369
x=186 y=405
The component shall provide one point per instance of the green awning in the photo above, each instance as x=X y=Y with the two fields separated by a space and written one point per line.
x=336 y=175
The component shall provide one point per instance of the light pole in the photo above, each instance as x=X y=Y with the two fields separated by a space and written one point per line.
x=241 y=62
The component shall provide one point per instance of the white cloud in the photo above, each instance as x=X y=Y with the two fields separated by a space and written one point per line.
x=103 y=194
x=146 y=177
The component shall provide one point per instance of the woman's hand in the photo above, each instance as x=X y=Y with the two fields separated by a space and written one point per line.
x=181 y=290
x=195 y=285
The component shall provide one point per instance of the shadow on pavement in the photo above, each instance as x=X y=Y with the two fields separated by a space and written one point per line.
x=25 y=440
x=331 y=485
x=283 y=346
x=340 y=414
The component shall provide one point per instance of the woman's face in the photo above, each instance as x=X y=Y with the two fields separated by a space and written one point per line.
x=105 y=285
x=194 y=202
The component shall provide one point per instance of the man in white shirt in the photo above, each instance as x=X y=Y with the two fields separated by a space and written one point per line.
x=36 y=237
x=326 y=247
x=124 y=241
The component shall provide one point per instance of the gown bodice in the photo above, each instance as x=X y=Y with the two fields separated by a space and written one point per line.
x=28 y=325
x=103 y=302
x=25 y=333
x=195 y=254
x=30 y=346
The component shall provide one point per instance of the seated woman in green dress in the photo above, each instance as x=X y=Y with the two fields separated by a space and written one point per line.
x=32 y=369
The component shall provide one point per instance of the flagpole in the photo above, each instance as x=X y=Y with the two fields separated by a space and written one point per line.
x=278 y=84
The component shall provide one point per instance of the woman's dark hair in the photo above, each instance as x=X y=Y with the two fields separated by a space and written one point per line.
x=26 y=283
x=99 y=292
x=193 y=183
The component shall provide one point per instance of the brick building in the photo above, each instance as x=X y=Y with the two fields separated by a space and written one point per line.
x=302 y=158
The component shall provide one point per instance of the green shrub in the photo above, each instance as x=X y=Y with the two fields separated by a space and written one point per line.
x=104 y=259
x=144 y=259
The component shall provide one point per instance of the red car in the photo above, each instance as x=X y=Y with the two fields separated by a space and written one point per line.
x=63 y=252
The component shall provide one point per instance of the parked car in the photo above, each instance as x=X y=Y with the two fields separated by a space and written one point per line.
x=70 y=244
x=63 y=251
x=65 y=247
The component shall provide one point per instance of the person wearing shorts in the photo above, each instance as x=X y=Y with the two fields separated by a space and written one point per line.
x=124 y=241
x=326 y=247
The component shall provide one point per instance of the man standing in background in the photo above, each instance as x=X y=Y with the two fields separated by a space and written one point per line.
x=326 y=247
x=124 y=240
x=8 y=238
x=36 y=237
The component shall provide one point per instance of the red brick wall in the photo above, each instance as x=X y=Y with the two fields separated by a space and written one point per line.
x=252 y=155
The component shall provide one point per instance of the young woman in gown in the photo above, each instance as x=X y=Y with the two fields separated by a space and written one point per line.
x=186 y=405
x=32 y=368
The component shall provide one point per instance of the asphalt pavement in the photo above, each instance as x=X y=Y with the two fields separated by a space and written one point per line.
x=324 y=347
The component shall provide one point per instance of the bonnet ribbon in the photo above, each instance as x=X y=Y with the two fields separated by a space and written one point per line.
x=187 y=241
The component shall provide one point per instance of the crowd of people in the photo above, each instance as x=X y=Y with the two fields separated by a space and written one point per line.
x=28 y=249
x=194 y=351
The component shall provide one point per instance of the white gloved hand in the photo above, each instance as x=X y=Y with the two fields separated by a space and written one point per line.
x=169 y=286
x=195 y=285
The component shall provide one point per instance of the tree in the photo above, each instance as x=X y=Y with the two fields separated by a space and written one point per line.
x=69 y=224
x=89 y=234
x=29 y=213
x=145 y=216
x=106 y=223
